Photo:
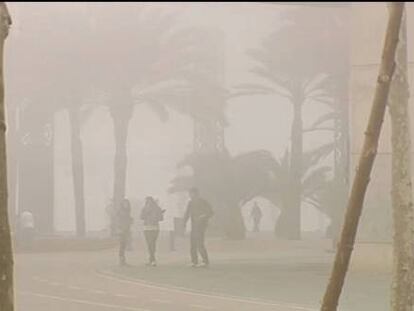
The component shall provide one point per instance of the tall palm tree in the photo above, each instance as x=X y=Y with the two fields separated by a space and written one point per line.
x=294 y=63
x=53 y=79
x=67 y=85
x=145 y=64
x=231 y=181
x=72 y=90
x=31 y=82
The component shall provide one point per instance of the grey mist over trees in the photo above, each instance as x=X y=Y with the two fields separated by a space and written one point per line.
x=264 y=142
x=118 y=100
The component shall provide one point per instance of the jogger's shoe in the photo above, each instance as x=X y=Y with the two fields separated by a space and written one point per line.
x=203 y=265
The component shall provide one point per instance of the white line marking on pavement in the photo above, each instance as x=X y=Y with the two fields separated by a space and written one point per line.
x=202 y=307
x=75 y=287
x=161 y=300
x=124 y=296
x=55 y=283
x=182 y=290
x=85 y=302
x=97 y=291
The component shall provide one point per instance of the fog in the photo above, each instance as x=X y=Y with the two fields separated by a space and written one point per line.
x=246 y=103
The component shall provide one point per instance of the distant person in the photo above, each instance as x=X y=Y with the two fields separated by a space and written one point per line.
x=199 y=211
x=151 y=214
x=124 y=226
x=256 y=214
x=27 y=228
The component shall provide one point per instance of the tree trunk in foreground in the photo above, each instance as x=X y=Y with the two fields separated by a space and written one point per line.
x=77 y=171
x=366 y=161
x=403 y=268
x=6 y=251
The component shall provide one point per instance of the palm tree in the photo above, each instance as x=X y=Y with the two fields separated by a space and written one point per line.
x=314 y=180
x=294 y=64
x=51 y=84
x=336 y=121
x=232 y=181
x=146 y=64
x=297 y=91
x=72 y=92
x=228 y=182
x=30 y=81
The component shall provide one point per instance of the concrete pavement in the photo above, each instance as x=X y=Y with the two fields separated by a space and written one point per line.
x=287 y=276
x=71 y=281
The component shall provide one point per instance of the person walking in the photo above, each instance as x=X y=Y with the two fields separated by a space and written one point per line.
x=124 y=225
x=256 y=214
x=151 y=214
x=199 y=211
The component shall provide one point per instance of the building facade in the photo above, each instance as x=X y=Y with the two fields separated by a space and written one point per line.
x=369 y=21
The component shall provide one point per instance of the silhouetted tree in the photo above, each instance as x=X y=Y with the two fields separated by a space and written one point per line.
x=41 y=87
x=296 y=64
x=144 y=65
x=314 y=180
x=6 y=258
x=228 y=182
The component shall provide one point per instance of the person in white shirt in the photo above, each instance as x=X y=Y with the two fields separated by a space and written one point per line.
x=27 y=227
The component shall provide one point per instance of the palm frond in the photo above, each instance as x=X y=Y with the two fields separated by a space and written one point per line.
x=311 y=158
x=330 y=116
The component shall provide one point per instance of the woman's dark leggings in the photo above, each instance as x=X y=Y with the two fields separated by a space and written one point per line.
x=151 y=237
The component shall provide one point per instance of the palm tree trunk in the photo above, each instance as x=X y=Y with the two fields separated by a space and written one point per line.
x=121 y=121
x=341 y=165
x=77 y=171
x=6 y=258
x=366 y=161
x=293 y=212
x=401 y=193
x=234 y=226
x=282 y=225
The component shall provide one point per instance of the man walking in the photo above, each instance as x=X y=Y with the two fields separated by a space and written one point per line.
x=199 y=211
x=256 y=214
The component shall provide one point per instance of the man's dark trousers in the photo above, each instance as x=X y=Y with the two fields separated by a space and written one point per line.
x=197 y=243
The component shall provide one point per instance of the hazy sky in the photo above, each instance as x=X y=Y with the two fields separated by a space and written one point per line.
x=154 y=147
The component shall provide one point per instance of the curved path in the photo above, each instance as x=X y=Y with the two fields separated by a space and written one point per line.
x=71 y=281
